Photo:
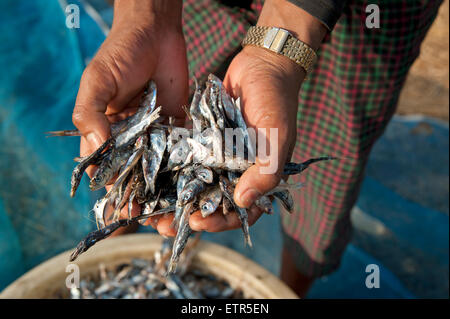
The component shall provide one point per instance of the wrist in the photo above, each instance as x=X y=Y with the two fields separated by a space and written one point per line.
x=149 y=15
x=283 y=68
x=284 y=14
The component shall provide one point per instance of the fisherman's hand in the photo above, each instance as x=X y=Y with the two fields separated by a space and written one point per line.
x=268 y=85
x=146 y=42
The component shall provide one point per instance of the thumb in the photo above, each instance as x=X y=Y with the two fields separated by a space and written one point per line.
x=253 y=185
x=273 y=130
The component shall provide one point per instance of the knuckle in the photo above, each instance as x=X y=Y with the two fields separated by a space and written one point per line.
x=79 y=115
x=92 y=72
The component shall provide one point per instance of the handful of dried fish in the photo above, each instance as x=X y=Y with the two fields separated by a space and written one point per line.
x=170 y=170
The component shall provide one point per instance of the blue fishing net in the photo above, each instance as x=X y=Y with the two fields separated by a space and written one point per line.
x=41 y=62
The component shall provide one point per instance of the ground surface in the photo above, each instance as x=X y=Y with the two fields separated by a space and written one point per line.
x=426 y=89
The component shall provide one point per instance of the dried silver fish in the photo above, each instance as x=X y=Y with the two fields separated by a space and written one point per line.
x=169 y=170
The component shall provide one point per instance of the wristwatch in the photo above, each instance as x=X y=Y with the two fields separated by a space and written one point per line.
x=282 y=42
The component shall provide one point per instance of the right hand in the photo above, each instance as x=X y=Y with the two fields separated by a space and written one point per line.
x=146 y=42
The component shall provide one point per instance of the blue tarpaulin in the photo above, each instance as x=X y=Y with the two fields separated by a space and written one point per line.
x=41 y=62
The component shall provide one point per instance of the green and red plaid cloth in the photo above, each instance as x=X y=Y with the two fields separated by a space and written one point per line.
x=344 y=106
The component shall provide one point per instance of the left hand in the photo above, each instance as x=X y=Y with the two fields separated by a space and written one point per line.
x=268 y=86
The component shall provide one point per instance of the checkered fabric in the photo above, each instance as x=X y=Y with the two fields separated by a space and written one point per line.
x=344 y=106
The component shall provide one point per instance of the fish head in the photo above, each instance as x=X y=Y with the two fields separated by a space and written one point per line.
x=97 y=182
x=205 y=175
x=186 y=196
x=207 y=208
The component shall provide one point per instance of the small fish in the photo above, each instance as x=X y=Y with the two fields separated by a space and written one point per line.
x=233 y=177
x=64 y=133
x=184 y=289
x=285 y=186
x=204 y=174
x=294 y=168
x=149 y=207
x=147 y=105
x=228 y=107
x=140 y=188
x=187 y=175
x=175 y=135
x=130 y=203
x=210 y=200
x=206 y=111
x=227 y=206
x=132 y=161
x=184 y=231
x=148 y=101
x=167 y=201
x=92 y=238
x=198 y=121
x=236 y=164
x=139 y=128
x=84 y=164
x=180 y=156
x=239 y=120
x=99 y=212
x=265 y=204
x=109 y=167
x=126 y=194
x=174 y=288
x=168 y=169
x=153 y=158
x=191 y=190
x=243 y=217
x=228 y=191
x=97 y=235
x=286 y=200
x=213 y=96
x=202 y=153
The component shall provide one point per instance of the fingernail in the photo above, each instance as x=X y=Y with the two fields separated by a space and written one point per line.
x=248 y=197
x=94 y=140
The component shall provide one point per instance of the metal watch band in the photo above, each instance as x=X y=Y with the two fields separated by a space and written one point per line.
x=282 y=42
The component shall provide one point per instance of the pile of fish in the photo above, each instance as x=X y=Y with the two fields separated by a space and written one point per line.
x=145 y=279
x=166 y=171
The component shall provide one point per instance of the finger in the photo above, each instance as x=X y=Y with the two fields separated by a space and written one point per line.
x=152 y=221
x=135 y=210
x=218 y=222
x=163 y=226
x=215 y=222
x=96 y=90
x=269 y=107
x=85 y=150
